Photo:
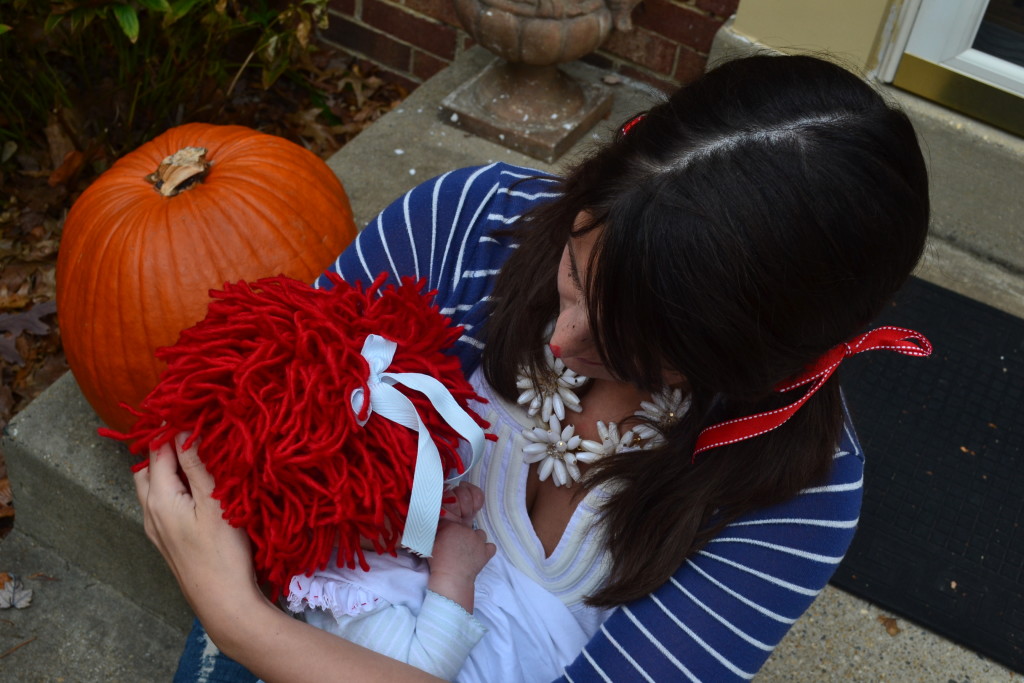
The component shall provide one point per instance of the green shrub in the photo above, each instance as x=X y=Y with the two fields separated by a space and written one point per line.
x=117 y=72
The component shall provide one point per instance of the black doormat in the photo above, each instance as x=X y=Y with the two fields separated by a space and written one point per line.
x=941 y=536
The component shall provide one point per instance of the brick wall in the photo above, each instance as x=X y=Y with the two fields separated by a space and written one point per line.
x=414 y=39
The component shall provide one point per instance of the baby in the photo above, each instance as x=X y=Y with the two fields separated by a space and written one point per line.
x=333 y=424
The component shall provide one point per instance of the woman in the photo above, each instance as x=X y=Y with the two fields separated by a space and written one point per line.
x=707 y=270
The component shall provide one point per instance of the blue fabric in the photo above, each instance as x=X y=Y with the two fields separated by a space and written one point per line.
x=202 y=662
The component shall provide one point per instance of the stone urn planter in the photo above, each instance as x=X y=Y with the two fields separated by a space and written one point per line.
x=523 y=99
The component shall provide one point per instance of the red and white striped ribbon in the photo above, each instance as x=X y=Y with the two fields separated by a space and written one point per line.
x=899 y=339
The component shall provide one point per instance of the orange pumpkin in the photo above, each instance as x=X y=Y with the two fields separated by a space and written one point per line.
x=196 y=207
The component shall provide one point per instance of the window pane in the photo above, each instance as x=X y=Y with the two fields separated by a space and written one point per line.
x=1001 y=33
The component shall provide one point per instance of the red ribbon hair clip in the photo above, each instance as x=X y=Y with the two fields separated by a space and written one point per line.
x=899 y=339
x=632 y=122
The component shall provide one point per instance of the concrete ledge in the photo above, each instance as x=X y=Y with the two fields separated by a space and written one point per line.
x=74 y=494
x=78 y=628
x=976 y=173
x=972 y=276
x=412 y=144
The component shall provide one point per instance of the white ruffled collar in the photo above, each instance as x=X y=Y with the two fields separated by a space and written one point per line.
x=350 y=592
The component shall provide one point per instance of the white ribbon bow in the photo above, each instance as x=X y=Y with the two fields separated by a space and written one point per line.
x=428 y=478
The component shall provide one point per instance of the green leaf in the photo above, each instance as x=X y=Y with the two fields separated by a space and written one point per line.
x=179 y=9
x=4 y=28
x=156 y=5
x=272 y=72
x=129 y=20
x=77 y=18
x=88 y=17
x=269 y=49
x=51 y=22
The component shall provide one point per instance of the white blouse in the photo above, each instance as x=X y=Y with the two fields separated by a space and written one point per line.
x=579 y=563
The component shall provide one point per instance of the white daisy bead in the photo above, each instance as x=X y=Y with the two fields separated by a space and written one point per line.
x=545 y=408
x=526 y=396
x=560 y=476
x=544 y=471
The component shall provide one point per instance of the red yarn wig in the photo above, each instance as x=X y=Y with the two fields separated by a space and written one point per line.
x=264 y=383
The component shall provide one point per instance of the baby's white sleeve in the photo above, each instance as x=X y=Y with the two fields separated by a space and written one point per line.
x=437 y=641
x=445 y=634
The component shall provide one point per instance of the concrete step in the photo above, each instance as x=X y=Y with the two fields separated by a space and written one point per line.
x=116 y=611
x=73 y=492
x=78 y=627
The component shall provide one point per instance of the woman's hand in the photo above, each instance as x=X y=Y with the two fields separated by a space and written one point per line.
x=211 y=560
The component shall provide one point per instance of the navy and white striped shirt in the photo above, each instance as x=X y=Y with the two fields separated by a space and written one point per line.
x=721 y=614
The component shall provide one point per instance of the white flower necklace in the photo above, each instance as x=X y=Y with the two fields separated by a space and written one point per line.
x=558 y=449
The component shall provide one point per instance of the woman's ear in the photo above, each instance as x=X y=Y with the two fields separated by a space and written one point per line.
x=674 y=379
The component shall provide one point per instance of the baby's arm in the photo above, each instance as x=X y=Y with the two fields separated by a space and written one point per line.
x=460 y=551
x=437 y=640
x=440 y=636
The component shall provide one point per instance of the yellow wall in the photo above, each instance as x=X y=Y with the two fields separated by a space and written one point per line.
x=849 y=29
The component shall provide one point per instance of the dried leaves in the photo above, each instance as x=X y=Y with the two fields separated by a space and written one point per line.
x=13 y=593
x=13 y=324
x=31 y=355
x=6 y=499
x=351 y=97
x=891 y=625
x=31 y=218
x=66 y=160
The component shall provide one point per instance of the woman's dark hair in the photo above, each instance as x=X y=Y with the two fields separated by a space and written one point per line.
x=759 y=217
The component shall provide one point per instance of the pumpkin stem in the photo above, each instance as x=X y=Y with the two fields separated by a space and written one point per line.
x=180 y=171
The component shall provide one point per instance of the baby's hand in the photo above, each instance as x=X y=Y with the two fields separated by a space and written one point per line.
x=460 y=551
x=468 y=501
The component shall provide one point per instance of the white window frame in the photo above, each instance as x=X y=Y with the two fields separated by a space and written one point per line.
x=942 y=32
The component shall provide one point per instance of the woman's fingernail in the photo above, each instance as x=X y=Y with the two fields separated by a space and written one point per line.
x=556 y=350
